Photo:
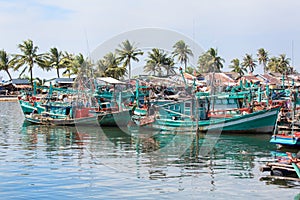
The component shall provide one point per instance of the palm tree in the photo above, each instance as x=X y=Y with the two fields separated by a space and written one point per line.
x=70 y=68
x=203 y=63
x=150 y=68
x=29 y=57
x=216 y=62
x=6 y=63
x=158 y=59
x=112 y=69
x=236 y=67
x=101 y=68
x=283 y=64
x=128 y=52
x=280 y=64
x=169 y=66
x=182 y=52
x=273 y=64
x=79 y=65
x=57 y=60
x=249 y=62
x=262 y=55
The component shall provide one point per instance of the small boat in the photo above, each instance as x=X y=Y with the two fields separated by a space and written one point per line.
x=287 y=131
x=60 y=114
x=285 y=168
x=286 y=139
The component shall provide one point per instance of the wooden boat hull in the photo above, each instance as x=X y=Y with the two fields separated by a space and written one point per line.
x=41 y=120
x=27 y=107
x=257 y=122
x=121 y=118
x=286 y=140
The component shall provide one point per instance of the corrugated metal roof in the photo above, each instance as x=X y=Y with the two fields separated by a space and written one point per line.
x=64 y=80
x=20 y=81
x=110 y=80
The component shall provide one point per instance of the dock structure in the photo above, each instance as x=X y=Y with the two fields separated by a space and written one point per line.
x=8 y=98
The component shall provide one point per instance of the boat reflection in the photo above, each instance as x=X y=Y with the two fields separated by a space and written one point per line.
x=157 y=155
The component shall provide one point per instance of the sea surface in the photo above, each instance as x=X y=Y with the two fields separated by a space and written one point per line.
x=90 y=162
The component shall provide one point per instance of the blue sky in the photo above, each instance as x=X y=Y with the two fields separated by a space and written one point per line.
x=235 y=27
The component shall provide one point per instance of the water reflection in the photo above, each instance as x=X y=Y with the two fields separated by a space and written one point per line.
x=54 y=138
x=155 y=151
x=159 y=155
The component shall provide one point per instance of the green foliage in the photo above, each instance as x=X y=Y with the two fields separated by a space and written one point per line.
x=159 y=60
x=280 y=64
x=249 y=63
x=190 y=70
x=263 y=58
x=29 y=58
x=109 y=67
x=236 y=67
x=182 y=52
x=6 y=63
x=57 y=60
x=128 y=52
x=210 y=61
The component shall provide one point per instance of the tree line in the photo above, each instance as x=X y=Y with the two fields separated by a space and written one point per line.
x=210 y=61
x=118 y=63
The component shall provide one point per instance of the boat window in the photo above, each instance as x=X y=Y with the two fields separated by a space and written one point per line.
x=218 y=101
x=187 y=104
x=231 y=101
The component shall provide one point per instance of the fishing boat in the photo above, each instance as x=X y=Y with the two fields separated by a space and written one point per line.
x=196 y=114
x=257 y=122
x=286 y=140
x=61 y=114
x=286 y=135
x=285 y=168
x=111 y=96
x=287 y=132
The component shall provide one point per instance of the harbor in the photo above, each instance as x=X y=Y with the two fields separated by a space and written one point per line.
x=149 y=100
x=41 y=161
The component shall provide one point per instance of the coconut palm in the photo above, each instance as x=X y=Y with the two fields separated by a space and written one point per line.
x=29 y=58
x=249 y=63
x=216 y=62
x=101 y=68
x=203 y=63
x=236 y=67
x=210 y=61
x=6 y=63
x=112 y=66
x=273 y=64
x=128 y=52
x=169 y=66
x=262 y=55
x=70 y=68
x=280 y=64
x=182 y=52
x=158 y=59
x=283 y=64
x=150 y=67
x=56 y=59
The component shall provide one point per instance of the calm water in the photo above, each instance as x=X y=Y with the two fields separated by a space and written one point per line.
x=39 y=162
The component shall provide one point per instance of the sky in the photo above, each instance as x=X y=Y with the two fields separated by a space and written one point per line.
x=234 y=27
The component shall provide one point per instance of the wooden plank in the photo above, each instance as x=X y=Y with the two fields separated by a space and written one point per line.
x=284 y=168
x=279 y=164
x=283 y=178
